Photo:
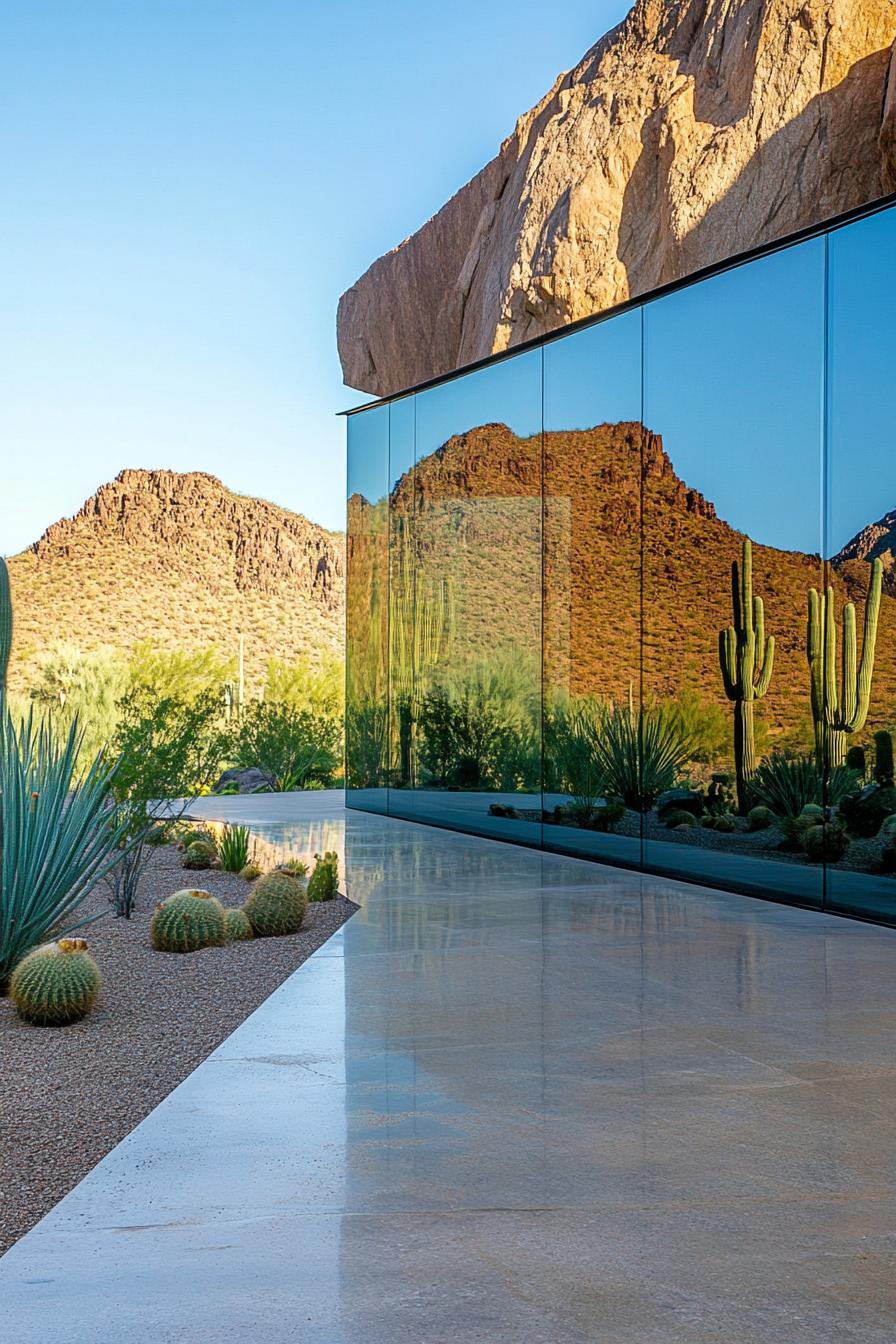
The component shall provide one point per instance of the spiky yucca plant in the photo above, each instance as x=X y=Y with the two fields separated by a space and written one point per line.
x=58 y=836
x=55 y=984
x=233 y=848
x=640 y=754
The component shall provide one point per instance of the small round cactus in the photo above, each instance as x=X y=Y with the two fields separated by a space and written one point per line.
x=198 y=855
x=237 y=925
x=759 y=818
x=55 y=984
x=322 y=886
x=187 y=921
x=276 y=905
x=250 y=872
x=196 y=834
x=678 y=817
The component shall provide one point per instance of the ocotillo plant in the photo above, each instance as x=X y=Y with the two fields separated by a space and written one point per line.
x=5 y=629
x=838 y=710
x=746 y=659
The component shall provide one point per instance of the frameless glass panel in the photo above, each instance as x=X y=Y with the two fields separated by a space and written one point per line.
x=732 y=467
x=592 y=590
x=860 y=546
x=367 y=610
x=477 y=512
x=402 y=616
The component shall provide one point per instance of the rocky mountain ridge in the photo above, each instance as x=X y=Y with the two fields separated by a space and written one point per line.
x=177 y=558
x=693 y=131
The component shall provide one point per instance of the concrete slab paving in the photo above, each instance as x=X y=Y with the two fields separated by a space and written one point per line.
x=518 y=1097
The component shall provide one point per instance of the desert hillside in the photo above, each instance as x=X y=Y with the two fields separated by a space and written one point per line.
x=179 y=559
x=476 y=509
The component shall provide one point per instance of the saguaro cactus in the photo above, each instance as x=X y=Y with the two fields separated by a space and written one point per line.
x=5 y=628
x=421 y=624
x=746 y=659
x=838 y=710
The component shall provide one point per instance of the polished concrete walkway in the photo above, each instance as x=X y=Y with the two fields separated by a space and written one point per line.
x=518 y=1098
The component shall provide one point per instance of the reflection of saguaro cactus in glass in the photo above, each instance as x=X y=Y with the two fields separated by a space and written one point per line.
x=837 y=711
x=746 y=659
x=5 y=628
x=421 y=624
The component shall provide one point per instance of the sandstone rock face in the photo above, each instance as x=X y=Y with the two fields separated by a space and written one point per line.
x=693 y=131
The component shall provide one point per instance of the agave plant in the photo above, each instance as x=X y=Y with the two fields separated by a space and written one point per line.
x=233 y=848
x=58 y=836
x=787 y=783
x=641 y=754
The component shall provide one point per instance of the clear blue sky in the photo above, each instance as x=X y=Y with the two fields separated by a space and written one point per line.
x=187 y=189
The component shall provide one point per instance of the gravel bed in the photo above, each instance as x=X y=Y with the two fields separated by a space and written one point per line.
x=70 y=1094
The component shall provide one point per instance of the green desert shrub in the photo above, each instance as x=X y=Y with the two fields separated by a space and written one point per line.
x=607 y=816
x=883 y=759
x=865 y=813
x=324 y=879
x=237 y=925
x=825 y=843
x=193 y=835
x=157 y=836
x=276 y=905
x=677 y=816
x=198 y=855
x=55 y=984
x=293 y=866
x=759 y=818
x=187 y=921
x=887 y=830
x=293 y=748
x=233 y=848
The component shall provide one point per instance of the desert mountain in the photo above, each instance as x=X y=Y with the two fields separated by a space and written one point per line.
x=179 y=559
x=690 y=132
x=476 y=508
x=875 y=542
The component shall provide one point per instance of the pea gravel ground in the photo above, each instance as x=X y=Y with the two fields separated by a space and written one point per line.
x=68 y=1095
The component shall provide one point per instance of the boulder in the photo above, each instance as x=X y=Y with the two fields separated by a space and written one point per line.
x=694 y=130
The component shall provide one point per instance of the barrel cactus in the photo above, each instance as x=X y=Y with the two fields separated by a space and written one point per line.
x=198 y=855
x=276 y=905
x=759 y=818
x=187 y=921
x=250 y=872
x=322 y=886
x=55 y=984
x=237 y=925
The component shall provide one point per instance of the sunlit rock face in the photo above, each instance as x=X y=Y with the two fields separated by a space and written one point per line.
x=693 y=131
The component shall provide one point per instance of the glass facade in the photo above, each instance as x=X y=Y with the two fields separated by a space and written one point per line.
x=631 y=594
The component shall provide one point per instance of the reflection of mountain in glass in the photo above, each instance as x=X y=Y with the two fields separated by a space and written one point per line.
x=476 y=508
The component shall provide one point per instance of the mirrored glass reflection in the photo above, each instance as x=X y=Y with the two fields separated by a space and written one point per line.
x=860 y=602
x=367 y=610
x=477 y=514
x=732 y=487
x=592 y=590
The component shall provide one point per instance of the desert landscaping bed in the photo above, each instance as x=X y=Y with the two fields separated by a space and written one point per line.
x=71 y=1093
